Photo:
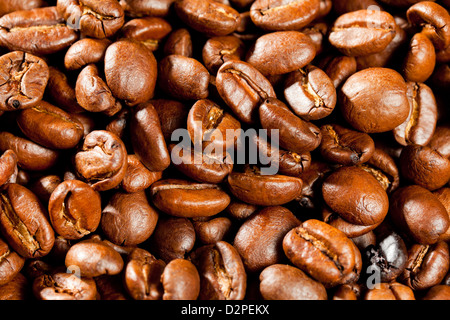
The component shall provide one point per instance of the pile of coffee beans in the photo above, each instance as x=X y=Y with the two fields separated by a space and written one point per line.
x=224 y=150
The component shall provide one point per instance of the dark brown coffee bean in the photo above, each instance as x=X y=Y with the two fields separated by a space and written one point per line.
x=243 y=88
x=266 y=190
x=356 y=196
x=420 y=125
x=339 y=68
x=94 y=258
x=222 y=273
x=50 y=126
x=208 y=125
x=10 y=263
x=382 y=87
x=362 y=32
x=427 y=265
x=259 y=238
x=130 y=72
x=16 y=289
x=8 y=6
x=182 y=198
x=310 y=93
x=23 y=222
x=281 y=52
x=128 y=219
x=74 y=209
x=44 y=186
x=295 y=134
x=443 y=196
x=149 y=31
x=345 y=146
x=218 y=50
x=93 y=94
x=284 y=282
x=147 y=138
x=85 y=51
x=240 y=210
x=179 y=42
x=64 y=286
x=172 y=115
x=344 y=6
x=39 y=31
x=110 y=288
x=180 y=280
x=101 y=160
x=433 y=19
x=439 y=292
x=199 y=166
x=418 y=214
x=347 y=292
x=138 y=177
x=212 y=231
x=277 y=15
x=207 y=16
x=183 y=78
x=92 y=18
x=420 y=61
x=24 y=78
x=323 y=252
x=142 y=275
x=390 y=291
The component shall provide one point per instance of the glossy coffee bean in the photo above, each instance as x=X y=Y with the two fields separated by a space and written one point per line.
x=258 y=251
x=182 y=198
x=213 y=230
x=85 y=51
x=179 y=42
x=323 y=252
x=39 y=31
x=180 y=280
x=421 y=59
x=8 y=6
x=140 y=8
x=93 y=258
x=222 y=273
x=285 y=282
x=8 y=167
x=390 y=291
x=16 y=289
x=10 y=263
x=74 y=209
x=64 y=286
x=138 y=177
x=149 y=31
x=25 y=227
x=383 y=87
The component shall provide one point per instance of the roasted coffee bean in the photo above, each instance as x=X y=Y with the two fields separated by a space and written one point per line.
x=347 y=292
x=427 y=265
x=277 y=15
x=281 y=52
x=240 y=210
x=209 y=126
x=141 y=8
x=101 y=160
x=39 y=31
x=218 y=50
x=433 y=19
x=61 y=92
x=344 y=6
x=443 y=196
x=179 y=42
x=110 y=288
x=438 y=292
x=10 y=263
x=130 y=72
x=128 y=219
x=390 y=291
x=182 y=198
x=421 y=59
x=50 y=126
x=174 y=238
x=222 y=273
x=93 y=94
x=284 y=282
x=147 y=138
x=94 y=258
x=323 y=252
x=25 y=226
x=345 y=146
x=64 y=286
x=24 y=78
x=92 y=18
x=138 y=177
x=85 y=51
x=207 y=16
x=8 y=167
x=339 y=68
x=212 y=231
x=420 y=125
x=16 y=289
x=74 y=209
x=243 y=88
x=382 y=87
x=295 y=134
x=310 y=93
x=180 y=280
x=418 y=214
x=8 y=6
x=259 y=238
x=142 y=275
x=172 y=115
x=265 y=190
x=149 y=31
x=362 y=32
x=183 y=78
